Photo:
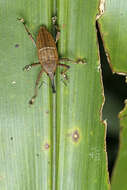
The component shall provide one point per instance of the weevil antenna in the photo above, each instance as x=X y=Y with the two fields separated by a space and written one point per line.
x=51 y=76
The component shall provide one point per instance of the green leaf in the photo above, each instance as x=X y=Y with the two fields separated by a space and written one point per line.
x=25 y=131
x=26 y=134
x=120 y=171
x=81 y=135
x=113 y=26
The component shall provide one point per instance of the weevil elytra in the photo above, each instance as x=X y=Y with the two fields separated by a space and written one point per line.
x=47 y=55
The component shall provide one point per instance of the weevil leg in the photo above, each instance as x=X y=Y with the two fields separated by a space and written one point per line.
x=78 y=61
x=56 y=28
x=28 y=32
x=65 y=60
x=54 y=18
x=66 y=68
x=57 y=36
x=28 y=67
x=36 y=87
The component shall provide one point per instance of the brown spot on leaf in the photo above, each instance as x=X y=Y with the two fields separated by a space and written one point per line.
x=16 y=45
x=47 y=112
x=75 y=136
x=37 y=155
x=46 y=146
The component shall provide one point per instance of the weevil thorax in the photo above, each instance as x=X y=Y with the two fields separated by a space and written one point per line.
x=47 y=53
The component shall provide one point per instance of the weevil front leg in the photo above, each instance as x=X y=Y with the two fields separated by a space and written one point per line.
x=36 y=87
x=57 y=28
x=28 y=67
x=28 y=32
x=57 y=35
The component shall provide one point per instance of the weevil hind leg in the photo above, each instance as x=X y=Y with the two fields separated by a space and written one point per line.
x=28 y=32
x=28 y=67
x=36 y=87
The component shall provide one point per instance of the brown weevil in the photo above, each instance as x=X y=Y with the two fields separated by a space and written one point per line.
x=47 y=55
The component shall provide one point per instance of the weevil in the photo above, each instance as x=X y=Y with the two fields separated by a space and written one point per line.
x=47 y=55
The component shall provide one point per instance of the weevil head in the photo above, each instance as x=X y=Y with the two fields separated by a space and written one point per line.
x=51 y=76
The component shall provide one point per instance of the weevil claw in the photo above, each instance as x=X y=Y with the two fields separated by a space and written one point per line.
x=31 y=101
x=27 y=68
x=21 y=19
x=81 y=61
x=54 y=18
x=64 y=75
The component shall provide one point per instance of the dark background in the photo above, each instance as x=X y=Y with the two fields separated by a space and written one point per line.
x=115 y=91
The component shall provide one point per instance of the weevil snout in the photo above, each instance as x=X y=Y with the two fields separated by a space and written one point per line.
x=51 y=76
